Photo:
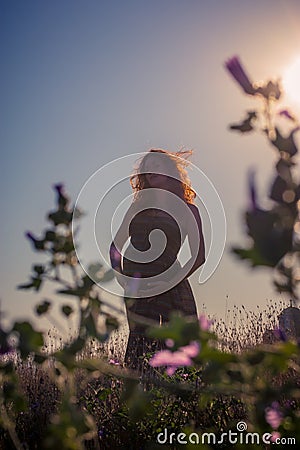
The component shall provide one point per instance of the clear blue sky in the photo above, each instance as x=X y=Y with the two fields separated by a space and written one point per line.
x=83 y=83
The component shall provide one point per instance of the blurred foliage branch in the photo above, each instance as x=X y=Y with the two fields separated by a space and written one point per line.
x=274 y=232
x=23 y=341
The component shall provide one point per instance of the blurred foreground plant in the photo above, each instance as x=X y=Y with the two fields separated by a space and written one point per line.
x=274 y=232
x=22 y=343
x=64 y=399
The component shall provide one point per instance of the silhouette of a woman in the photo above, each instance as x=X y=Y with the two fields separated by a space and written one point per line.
x=162 y=176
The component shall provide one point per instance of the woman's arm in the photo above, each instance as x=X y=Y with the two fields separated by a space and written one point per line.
x=118 y=243
x=195 y=240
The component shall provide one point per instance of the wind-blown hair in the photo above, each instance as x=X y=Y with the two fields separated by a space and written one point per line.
x=175 y=162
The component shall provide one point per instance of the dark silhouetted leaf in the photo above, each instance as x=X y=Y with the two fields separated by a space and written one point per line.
x=60 y=217
x=67 y=310
x=42 y=308
x=62 y=199
x=270 y=90
x=38 y=244
x=251 y=254
x=246 y=125
x=278 y=188
x=35 y=284
x=39 y=269
x=50 y=236
x=285 y=144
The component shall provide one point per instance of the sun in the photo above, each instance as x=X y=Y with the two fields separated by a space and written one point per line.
x=291 y=81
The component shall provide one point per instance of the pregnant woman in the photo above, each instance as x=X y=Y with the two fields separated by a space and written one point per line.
x=160 y=218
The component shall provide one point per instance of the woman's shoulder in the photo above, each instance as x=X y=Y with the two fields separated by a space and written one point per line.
x=195 y=211
x=193 y=207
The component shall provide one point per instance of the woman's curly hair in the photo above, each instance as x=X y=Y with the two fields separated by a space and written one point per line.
x=179 y=182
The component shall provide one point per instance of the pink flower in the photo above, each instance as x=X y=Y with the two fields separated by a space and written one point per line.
x=169 y=343
x=204 y=322
x=275 y=435
x=236 y=69
x=273 y=415
x=114 y=362
x=192 y=349
x=173 y=360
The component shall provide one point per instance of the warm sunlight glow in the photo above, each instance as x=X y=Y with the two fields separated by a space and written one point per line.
x=291 y=81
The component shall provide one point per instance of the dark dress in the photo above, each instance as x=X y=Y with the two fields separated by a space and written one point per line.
x=156 y=309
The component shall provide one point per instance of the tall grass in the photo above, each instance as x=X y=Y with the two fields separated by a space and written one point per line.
x=102 y=396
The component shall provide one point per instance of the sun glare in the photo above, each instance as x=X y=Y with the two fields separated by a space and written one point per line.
x=291 y=81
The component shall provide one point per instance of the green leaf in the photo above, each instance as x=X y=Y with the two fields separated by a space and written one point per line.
x=35 y=284
x=67 y=310
x=60 y=217
x=111 y=324
x=30 y=340
x=42 y=308
x=75 y=346
x=178 y=329
x=251 y=254
x=39 y=269
x=50 y=236
x=79 y=292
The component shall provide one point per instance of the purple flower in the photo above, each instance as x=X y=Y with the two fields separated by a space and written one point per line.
x=287 y=114
x=59 y=187
x=204 y=322
x=235 y=67
x=273 y=415
x=30 y=236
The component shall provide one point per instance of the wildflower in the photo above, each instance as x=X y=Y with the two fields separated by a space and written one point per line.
x=275 y=435
x=114 y=362
x=101 y=433
x=169 y=343
x=234 y=66
x=173 y=360
x=59 y=187
x=191 y=350
x=287 y=114
x=273 y=415
x=204 y=322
